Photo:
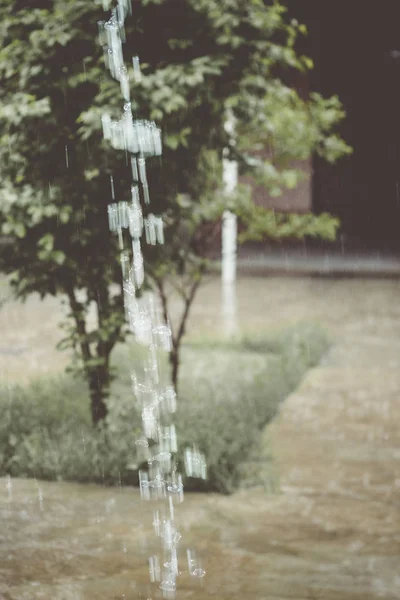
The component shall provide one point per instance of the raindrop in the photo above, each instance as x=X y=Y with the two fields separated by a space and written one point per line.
x=195 y=463
x=9 y=488
x=136 y=69
x=171 y=508
x=102 y=33
x=156 y=522
x=195 y=569
x=163 y=337
x=142 y=170
x=146 y=194
x=40 y=497
x=112 y=187
x=106 y=123
x=154 y=568
x=198 y=572
x=135 y=173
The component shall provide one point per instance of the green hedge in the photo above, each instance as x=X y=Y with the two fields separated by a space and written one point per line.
x=228 y=393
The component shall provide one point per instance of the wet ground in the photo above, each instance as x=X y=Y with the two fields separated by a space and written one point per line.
x=331 y=531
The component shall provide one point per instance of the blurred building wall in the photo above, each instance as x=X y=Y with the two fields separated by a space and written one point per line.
x=298 y=200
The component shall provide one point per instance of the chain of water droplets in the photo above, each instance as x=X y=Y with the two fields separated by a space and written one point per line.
x=157 y=446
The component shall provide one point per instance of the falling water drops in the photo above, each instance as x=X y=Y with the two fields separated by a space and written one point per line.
x=195 y=570
x=136 y=69
x=157 y=402
x=40 y=496
x=112 y=187
x=9 y=488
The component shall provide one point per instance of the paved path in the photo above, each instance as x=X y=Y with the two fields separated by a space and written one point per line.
x=331 y=533
x=334 y=532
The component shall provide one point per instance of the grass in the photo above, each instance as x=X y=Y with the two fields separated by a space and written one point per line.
x=228 y=392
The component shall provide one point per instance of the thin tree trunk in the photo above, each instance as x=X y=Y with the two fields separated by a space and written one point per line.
x=174 y=355
x=174 y=362
x=99 y=382
x=101 y=377
x=77 y=312
x=98 y=377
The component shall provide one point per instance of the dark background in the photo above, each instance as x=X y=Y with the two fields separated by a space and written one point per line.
x=354 y=45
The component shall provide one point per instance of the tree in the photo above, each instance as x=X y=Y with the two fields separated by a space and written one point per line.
x=199 y=59
x=53 y=195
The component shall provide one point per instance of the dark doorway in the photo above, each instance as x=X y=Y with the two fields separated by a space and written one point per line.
x=355 y=46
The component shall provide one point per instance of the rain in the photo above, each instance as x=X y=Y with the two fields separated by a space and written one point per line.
x=199 y=372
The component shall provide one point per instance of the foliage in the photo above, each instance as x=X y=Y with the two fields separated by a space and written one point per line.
x=46 y=432
x=241 y=408
x=200 y=58
x=261 y=223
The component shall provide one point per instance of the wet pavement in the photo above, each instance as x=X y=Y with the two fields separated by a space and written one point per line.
x=332 y=529
x=300 y=259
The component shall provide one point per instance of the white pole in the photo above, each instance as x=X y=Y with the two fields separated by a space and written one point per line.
x=229 y=240
x=229 y=225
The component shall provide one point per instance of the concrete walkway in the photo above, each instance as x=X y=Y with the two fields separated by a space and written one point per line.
x=333 y=533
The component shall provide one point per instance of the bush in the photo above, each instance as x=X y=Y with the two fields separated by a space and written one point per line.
x=46 y=432
x=226 y=423
x=228 y=393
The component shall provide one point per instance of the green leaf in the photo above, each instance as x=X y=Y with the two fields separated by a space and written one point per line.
x=19 y=230
x=46 y=242
x=58 y=257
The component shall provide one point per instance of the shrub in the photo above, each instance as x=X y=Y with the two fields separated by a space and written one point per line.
x=228 y=393
x=226 y=422
x=46 y=432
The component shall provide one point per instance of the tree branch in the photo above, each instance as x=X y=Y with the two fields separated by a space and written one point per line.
x=164 y=302
x=188 y=302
